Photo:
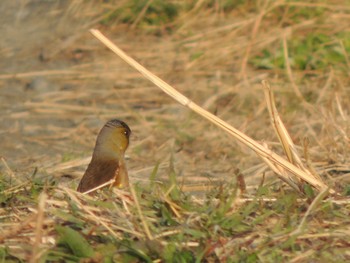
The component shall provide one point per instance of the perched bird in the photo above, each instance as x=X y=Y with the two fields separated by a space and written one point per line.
x=107 y=161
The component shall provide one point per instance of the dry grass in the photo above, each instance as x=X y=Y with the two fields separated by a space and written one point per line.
x=188 y=199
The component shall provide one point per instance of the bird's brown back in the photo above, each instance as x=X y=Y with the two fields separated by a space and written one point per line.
x=102 y=171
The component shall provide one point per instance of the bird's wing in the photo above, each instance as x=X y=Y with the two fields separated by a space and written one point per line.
x=97 y=173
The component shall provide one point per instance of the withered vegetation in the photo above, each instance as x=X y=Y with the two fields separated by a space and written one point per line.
x=254 y=168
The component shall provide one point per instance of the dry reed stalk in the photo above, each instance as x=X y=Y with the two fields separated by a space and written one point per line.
x=45 y=73
x=303 y=256
x=167 y=233
x=39 y=228
x=281 y=173
x=262 y=151
x=254 y=33
x=340 y=108
x=141 y=14
x=110 y=183
x=317 y=200
x=52 y=106
x=61 y=74
x=337 y=233
x=282 y=133
x=289 y=69
x=142 y=218
x=322 y=93
x=15 y=189
x=174 y=207
x=318 y=5
x=181 y=244
x=187 y=19
x=9 y=170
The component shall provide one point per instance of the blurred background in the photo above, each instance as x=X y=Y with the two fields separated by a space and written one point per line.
x=59 y=85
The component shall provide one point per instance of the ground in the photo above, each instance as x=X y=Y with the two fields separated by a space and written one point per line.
x=59 y=85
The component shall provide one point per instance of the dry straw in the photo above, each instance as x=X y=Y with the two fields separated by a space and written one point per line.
x=39 y=228
x=283 y=168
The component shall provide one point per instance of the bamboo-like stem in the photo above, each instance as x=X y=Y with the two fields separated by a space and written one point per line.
x=262 y=151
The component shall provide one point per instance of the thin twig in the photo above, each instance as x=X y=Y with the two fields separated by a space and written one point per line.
x=314 y=203
x=9 y=170
x=110 y=182
x=144 y=223
x=289 y=69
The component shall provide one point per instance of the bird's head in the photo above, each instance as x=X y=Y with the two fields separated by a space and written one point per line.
x=113 y=140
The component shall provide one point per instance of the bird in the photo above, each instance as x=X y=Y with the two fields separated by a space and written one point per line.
x=108 y=161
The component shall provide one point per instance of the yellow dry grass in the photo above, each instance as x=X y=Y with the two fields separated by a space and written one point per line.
x=60 y=85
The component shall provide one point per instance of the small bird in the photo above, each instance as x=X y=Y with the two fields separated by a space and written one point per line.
x=107 y=161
